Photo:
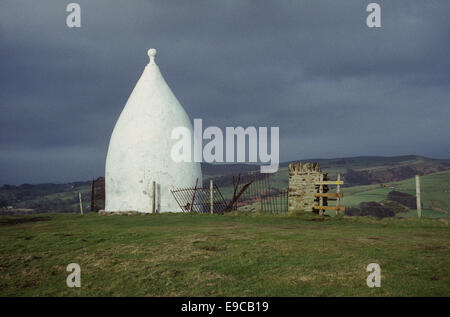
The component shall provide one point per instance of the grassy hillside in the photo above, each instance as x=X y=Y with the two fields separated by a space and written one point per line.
x=44 y=197
x=230 y=255
x=356 y=171
x=435 y=192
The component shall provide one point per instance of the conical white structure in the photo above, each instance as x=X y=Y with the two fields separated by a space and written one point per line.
x=140 y=146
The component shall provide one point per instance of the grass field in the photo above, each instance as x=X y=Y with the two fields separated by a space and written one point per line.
x=435 y=193
x=229 y=255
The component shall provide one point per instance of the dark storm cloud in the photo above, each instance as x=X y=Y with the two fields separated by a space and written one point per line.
x=313 y=68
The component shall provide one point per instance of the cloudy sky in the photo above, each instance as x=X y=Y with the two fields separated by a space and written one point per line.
x=335 y=87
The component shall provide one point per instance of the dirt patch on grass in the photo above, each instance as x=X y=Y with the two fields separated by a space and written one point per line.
x=209 y=246
x=318 y=219
x=210 y=275
x=439 y=209
x=16 y=221
x=63 y=235
x=433 y=247
x=424 y=235
x=126 y=257
x=297 y=226
x=368 y=239
x=30 y=257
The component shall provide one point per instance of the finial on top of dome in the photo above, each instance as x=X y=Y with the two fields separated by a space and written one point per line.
x=152 y=53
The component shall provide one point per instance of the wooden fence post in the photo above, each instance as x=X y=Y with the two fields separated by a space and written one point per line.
x=81 y=203
x=338 y=190
x=418 y=201
x=92 y=196
x=321 y=197
x=260 y=196
x=154 y=198
x=211 y=195
x=193 y=196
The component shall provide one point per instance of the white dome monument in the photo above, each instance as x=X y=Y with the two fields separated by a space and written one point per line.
x=139 y=151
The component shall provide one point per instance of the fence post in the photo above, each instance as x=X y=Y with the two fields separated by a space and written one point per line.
x=418 y=201
x=92 y=196
x=193 y=196
x=260 y=195
x=154 y=198
x=81 y=203
x=211 y=196
x=338 y=190
x=321 y=197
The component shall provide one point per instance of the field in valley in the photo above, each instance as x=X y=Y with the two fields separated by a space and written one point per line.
x=435 y=194
x=363 y=178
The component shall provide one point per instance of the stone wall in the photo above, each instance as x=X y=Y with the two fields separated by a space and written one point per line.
x=302 y=179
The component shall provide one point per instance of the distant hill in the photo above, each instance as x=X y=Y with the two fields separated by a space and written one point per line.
x=394 y=170
x=435 y=194
x=43 y=197
x=363 y=170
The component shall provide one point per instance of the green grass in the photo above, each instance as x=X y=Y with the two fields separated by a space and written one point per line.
x=231 y=255
x=435 y=193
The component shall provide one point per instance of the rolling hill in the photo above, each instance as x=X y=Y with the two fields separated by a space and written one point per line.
x=362 y=175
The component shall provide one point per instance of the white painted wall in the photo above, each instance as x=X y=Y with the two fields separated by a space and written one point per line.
x=140 y=145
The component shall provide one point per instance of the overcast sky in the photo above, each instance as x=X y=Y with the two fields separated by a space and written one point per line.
x=335 y=87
